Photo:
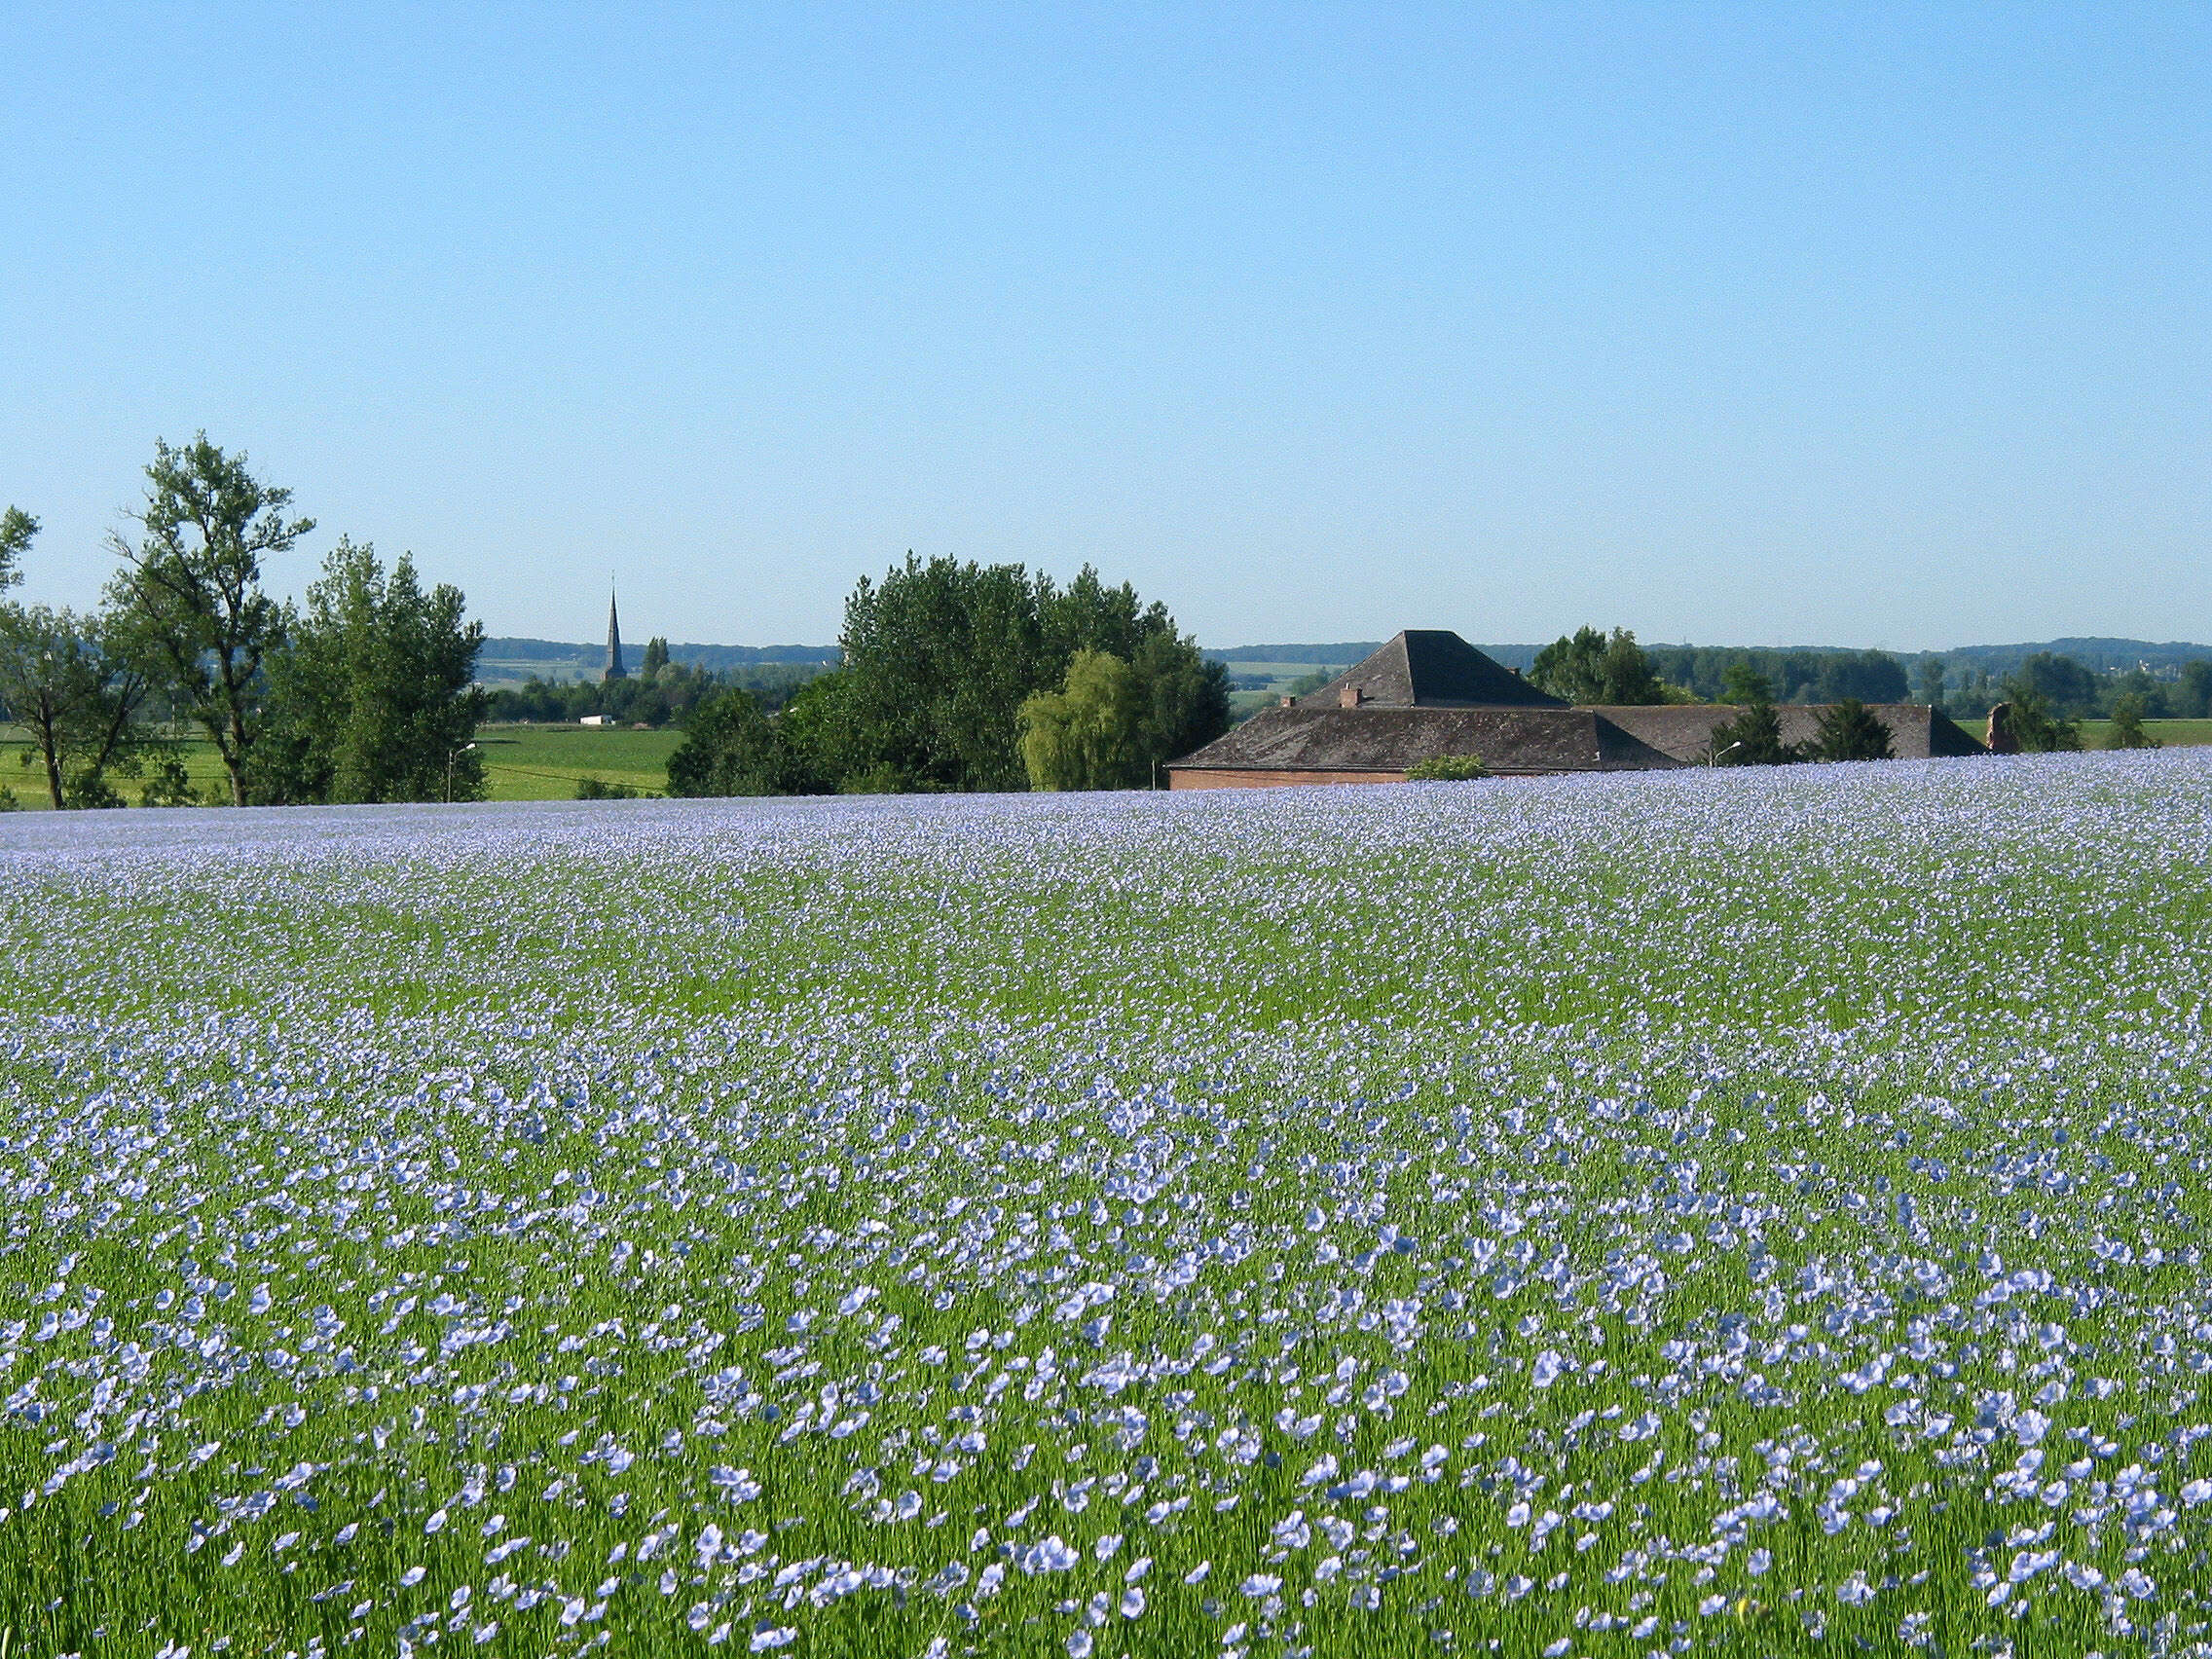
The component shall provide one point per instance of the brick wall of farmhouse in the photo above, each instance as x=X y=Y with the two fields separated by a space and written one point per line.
x=1246 y=778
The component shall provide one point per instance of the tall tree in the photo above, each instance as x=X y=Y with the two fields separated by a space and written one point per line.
x=66 y=682
x=1590 y=668
x=939 y=658
x=1745 y=684
x=1754 y=738
x=2128 y=729
x=654 y=660
x=1088 y=735
x=373 y=696
x=1932 y=683
x=730 y=747
x=191 y=588
x=2194 y=698
x=69 y=682
x=1866 y=676
x=17 y=528
x=1186 y=696
x=1849 y=730
x=2037 y=726
x=2067 y=689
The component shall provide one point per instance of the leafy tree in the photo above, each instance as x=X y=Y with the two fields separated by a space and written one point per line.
x=168 y=783
x=1866 y=676
x=17 y=528
x=1186 y=696
x=1849 y=731
x=2066 y=688
x=2195 y=698
x=939 y=658
x=191 y=588
x=373 y=697
x=71 y=682
x=730 y=747
x=1745 y=685
x=1754 y=738
x=655 y=659
x=2128 y=730
x=1089 y=735
x=67 y=682
x=1591 y=668
x=1802 y=676
x=1447 y=769
x=2150 y=694
x=1931 y=681
x=2035 y=728
x=823 y=749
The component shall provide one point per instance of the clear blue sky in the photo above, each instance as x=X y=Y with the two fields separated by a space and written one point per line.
x=1748 y=323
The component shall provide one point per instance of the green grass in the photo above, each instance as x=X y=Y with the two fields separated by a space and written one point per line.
x=1280 y=676
x=2174 y=734
x=545 y=762
x=521 y=762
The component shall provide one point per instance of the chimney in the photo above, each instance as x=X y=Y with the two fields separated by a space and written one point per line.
x=1283 y=702
x=1350 y=697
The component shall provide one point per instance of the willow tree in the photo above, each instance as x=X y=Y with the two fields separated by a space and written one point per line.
x=1090 y=734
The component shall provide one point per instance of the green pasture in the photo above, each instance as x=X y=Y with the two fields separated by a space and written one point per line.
x=521 y=762
x=1279 y=677
x=546 y=763
x=2174 y=734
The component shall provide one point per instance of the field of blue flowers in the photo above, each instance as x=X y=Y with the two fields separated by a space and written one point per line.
x=1753 y=1211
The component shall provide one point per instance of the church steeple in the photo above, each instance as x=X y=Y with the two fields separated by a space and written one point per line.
x=614 y=668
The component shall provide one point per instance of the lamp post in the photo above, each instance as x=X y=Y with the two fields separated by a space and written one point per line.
x=451 y=758
x=1712 y=759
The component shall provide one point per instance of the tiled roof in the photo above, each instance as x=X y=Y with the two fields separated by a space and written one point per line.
x=1684 y=730
x=1428 y=692
x=1384 y=739
x=1431 y=668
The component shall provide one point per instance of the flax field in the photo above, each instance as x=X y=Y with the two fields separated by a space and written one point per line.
x=1716 y=1212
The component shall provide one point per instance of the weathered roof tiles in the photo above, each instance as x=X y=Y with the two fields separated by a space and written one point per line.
x=1427 y=693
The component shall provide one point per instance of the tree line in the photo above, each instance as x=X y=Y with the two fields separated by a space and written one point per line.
x=966 y=677
x=364 y=693
x=2048 y=696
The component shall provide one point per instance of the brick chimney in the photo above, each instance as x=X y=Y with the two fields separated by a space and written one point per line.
x=1350 y=697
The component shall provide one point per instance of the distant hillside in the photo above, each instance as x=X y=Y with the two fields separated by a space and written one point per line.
x=512 y=657
x=2097 y=655
x=1351 y=653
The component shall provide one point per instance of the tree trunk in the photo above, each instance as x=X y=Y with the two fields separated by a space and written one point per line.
x=50 y=746
x=234 y=756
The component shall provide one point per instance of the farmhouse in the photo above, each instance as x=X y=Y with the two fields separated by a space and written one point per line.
x=1428 y=692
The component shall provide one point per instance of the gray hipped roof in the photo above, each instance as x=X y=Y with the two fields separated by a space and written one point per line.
x=1684 y=730
x=1431 y=668
x=1387 y=740
x=1429 y=693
